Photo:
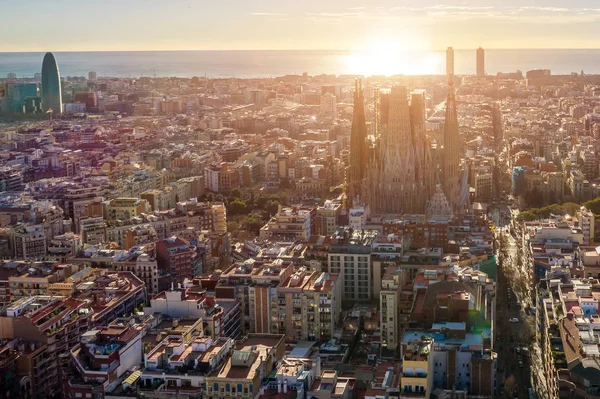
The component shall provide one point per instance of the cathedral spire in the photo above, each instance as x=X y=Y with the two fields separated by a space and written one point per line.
x=358 y=143
x=451 y=164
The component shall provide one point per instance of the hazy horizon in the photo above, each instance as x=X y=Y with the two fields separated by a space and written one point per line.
x=187 y=25
x=299 y=49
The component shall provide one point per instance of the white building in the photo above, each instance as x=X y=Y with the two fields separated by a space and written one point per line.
x=329 y=105
x=587 y=225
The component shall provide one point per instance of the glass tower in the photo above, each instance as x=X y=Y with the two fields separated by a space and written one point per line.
x=51 y=90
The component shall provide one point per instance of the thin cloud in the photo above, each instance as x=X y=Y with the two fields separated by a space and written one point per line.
x=402 y=8
x=467 y=13
x=333 y=14
x=268 y=14
x=464 y=8
x=550 y=9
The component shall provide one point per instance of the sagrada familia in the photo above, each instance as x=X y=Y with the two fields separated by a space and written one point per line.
x=397 y=174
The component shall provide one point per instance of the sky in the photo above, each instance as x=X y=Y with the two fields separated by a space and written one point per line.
x=102 y=25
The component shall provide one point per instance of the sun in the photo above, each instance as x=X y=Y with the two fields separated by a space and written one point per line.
x=387 y=57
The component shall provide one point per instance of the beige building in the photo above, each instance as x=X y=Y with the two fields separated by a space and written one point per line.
x=263 y=295
x=290 y=223
x=587 y=225
x=140 y=263
x=126 y=208
x=326 y=221
x=308 y=305
x=389 y=300
x=417 y=368
x=93 y=230
x=252 y=360
x=159 y=200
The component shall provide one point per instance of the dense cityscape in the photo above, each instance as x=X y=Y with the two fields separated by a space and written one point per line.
x=300 y=237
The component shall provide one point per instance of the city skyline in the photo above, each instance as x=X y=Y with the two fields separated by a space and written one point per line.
x=353 y=26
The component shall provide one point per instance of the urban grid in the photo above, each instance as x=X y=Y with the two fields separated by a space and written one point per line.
x=300 y=237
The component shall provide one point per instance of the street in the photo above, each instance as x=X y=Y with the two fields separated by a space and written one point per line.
x=519 y=353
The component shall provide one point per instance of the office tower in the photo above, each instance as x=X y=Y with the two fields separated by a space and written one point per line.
x=18 y=93
x=451 y=163
x=51 y=87
x=358 y=145
x=449 y=61
x=91 y=76
x=480 y=62
x=399 y=177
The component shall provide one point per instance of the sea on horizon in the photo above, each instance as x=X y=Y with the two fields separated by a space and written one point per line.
x=272 y=63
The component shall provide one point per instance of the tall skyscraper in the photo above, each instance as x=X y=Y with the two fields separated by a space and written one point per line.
x=451 y=157
x=480 y=62
x=399 y=178
x=358 y=145
x=449 y=61
x=51 y=87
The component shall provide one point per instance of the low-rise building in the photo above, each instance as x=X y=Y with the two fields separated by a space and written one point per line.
x=290 y=223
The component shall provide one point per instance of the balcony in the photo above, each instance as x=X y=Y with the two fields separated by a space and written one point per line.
x=412 y=374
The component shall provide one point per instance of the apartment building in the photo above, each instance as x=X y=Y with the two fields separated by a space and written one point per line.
x=290 y=223
x=263 y=295
x=350 y=257
x=177 y=257
x=103 y=356
x=126 y=208
x=417 y=366
x=53 y=326
x=142 y=263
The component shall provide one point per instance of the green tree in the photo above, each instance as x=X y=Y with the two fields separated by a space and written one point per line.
x=272 y=206
x=570 y=208
x=253 y=223
x=261 y=202
x=237 y=207
x=233 y=226
x=593 y=205
x=283 y=198
x=236 y=193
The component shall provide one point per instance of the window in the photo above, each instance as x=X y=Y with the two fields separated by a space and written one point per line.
x=227 y=387
x=216 y=387
x=239 y=389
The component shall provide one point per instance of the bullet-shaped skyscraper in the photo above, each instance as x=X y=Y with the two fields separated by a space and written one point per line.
x=480 y=62
x=51 y=88
x=450 y=61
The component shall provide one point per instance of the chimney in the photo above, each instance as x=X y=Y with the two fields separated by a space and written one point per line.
x=279 y=387
x=285 y=386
